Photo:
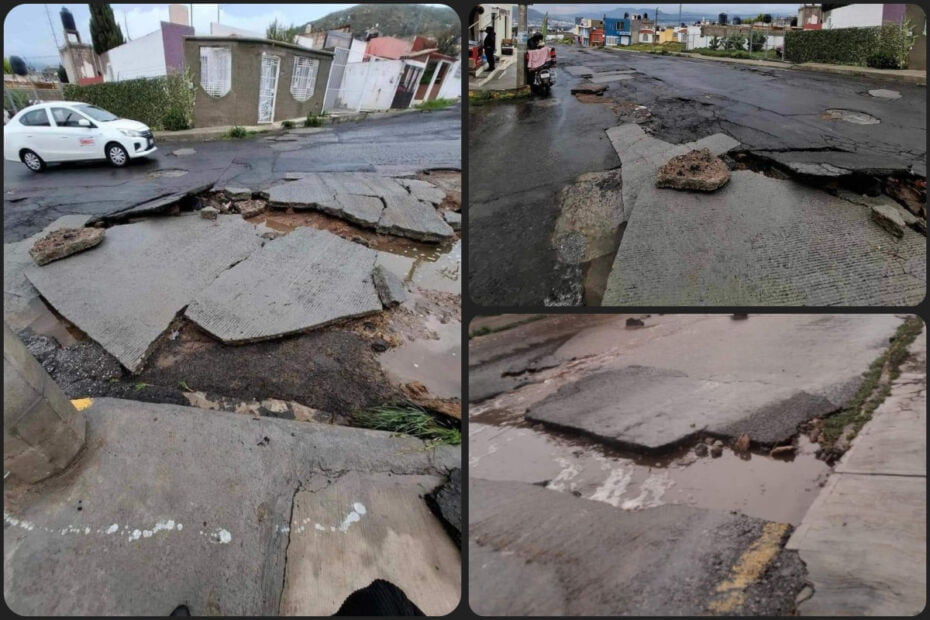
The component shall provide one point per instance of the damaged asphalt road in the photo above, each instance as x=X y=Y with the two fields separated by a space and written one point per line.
x=787 y=124
x=397 y=146
x=594 y=414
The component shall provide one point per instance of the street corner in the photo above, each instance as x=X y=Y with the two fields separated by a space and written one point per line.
x=727 y=484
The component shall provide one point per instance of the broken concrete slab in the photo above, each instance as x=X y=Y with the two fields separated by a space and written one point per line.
x=306 y=279
x=453 y=219
x=166 y=203
x=888 y=218
x=126 y=292
x=399 y=265
x=18 y=293
x=676 y=559
x=235 y=192
x=193 y=506
x=590 y=215
x=362 y=210
x=350 y=195
x=64 y=242
x=715 y=380
x=698 y=170
x=408 y=217
x=773 y=241
x=446 y=502
x=209 y=213
x=421 y=190
x=365 y=527
x=390 y=288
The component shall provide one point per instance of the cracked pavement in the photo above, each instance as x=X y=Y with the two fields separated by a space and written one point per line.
x=397 y=146
x=524 y=154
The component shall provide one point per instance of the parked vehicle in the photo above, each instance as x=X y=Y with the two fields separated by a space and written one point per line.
x=540 y=69
x=62 y=131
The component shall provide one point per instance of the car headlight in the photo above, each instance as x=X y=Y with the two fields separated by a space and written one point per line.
x=132 y=133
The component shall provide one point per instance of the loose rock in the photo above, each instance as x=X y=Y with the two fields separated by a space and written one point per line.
x=716 y=451
x=209 y=213
x=390 y=288
x=250 y=208
x=453 y=219
x=697 y=171
x=782 y=450
x=64 y=242
x=701 y=449
x=742 y=444
x=631 y=322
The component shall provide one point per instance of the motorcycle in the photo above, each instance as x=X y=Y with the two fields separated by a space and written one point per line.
x=540 y=70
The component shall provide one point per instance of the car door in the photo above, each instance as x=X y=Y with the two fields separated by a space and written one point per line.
x=37 y=134
x=74 y=141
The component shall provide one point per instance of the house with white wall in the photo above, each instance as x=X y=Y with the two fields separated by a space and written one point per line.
x=155 y=55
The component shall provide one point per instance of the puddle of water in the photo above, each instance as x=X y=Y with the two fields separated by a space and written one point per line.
x=761 y=486
x=436 y=363
x=440 y=269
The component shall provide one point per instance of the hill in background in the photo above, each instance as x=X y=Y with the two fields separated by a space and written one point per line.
x=393 y=20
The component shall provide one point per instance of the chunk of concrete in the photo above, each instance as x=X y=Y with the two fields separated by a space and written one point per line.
x=888 y=218
x=250 y=208
x=365 y=527
x=694 y=171
x=64 y=242
x=390 y=288
x=126 y=292
x=306 y=279
x=234 y=192
x=209 y=213
x=590 y=214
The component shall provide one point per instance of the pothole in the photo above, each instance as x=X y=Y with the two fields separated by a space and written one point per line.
x=167 y=173
x=850 y=116
x=884 y=93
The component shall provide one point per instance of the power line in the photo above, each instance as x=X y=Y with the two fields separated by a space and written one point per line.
x=52 y=26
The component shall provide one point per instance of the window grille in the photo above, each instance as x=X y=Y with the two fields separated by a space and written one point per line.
x=215 y=70
x=303 y=81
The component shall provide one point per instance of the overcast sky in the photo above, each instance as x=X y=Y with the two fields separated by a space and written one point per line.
x=27 y=33
x=704 y=9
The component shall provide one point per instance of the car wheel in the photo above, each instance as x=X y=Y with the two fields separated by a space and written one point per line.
x=33 y=161
x=117 y=155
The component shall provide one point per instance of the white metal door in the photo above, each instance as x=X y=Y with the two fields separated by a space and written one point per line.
x=268 y=88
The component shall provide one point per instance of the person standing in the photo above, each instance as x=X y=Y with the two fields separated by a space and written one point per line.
x=489 y=46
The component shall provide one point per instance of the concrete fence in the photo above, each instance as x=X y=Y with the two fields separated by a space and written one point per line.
x=42 y=431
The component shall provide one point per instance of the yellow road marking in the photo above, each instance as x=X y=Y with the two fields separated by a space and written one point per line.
x=747 y=570
x=82 y=403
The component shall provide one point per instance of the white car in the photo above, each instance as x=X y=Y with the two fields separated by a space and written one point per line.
x=73 y=131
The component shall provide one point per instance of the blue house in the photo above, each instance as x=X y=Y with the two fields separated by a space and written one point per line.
x=616 y=31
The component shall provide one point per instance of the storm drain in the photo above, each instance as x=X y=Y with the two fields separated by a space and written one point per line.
x=850 y=116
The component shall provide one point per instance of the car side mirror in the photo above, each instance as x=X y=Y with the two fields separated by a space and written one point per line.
x=83 y=122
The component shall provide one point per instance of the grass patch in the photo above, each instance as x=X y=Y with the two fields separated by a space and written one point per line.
x=435 y=104
x=482 y=97
x=484 y=331
x=237 y=132
x=408 y=419
x=873 y=390
x=720 y=53
x=314 y=120
x=288 y=124
x=671 y=46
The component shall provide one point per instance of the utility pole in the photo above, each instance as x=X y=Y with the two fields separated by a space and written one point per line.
x=51 y=26
x=521 y=44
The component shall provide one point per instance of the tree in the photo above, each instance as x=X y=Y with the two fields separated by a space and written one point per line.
x=757 y=41
x=280 y=32
x=714 y=43
x=104 y=31
x=62 y=74
x=446 y=42
x=7 y=67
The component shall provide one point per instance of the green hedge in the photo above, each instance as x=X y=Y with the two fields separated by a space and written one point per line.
x=879 y=46
x=161 y=103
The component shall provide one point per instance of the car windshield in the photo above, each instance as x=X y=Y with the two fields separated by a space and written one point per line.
x=98 y=114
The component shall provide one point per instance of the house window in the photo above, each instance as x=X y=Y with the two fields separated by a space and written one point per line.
x=215 y=70
x=303 y=82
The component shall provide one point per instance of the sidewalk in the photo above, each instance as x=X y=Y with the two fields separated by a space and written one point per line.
x=504 y=77
x=910 y=76
x=864 y=538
